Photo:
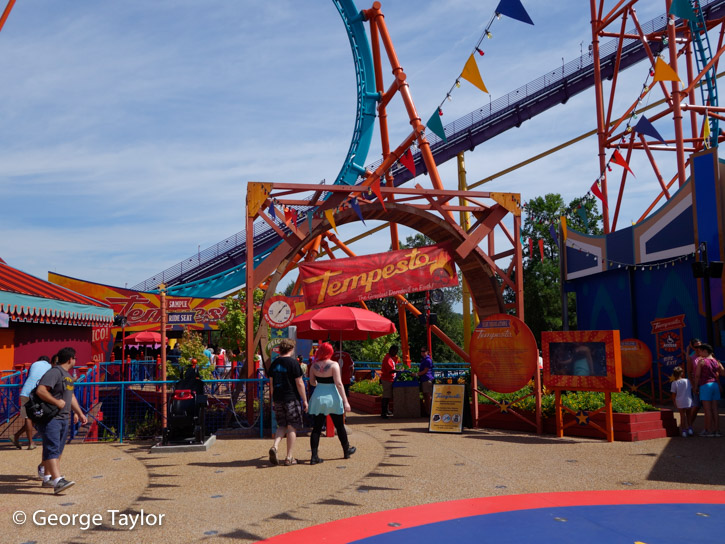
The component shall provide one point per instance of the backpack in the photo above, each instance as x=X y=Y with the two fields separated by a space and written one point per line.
x=39 y=411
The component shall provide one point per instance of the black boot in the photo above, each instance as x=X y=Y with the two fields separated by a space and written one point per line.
x=349 y=451
x=314 y=460
x=384 y=410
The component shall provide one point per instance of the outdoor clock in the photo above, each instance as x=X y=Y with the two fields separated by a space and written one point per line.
x=279 y=311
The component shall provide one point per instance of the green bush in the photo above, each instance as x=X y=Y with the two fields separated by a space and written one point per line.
x=367 y=387
x=588 y=401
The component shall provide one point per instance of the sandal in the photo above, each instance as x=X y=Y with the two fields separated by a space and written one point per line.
x=16 y=441
x=290 y=461
x=273 y=456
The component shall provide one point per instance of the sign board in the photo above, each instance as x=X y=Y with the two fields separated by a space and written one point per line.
x=446 y=413
x=340 y=281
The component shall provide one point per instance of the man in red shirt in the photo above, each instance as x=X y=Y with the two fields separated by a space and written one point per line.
x=387 y=376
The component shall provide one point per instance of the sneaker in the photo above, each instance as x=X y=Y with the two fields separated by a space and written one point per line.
x=273 y=456
x=716 y=434
x=704 y=433
x=41 y=472
x=684 y=434
x=62 y=485
x=690 y=432
x=48 y=482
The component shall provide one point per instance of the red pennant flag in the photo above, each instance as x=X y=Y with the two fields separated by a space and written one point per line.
x=294 y=216
x=376 y=189
x=596 y=191
x=618 y=159
x=408 y=161
x=287 y=215
x=541 y=249
x=531 y=248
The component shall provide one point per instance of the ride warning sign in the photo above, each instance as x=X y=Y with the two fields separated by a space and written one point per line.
x=446 y=413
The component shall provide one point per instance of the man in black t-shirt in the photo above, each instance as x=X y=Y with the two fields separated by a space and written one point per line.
x=56 y=387
x=288 y=389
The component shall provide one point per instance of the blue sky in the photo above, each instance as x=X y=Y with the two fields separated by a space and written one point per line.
x=128 y=130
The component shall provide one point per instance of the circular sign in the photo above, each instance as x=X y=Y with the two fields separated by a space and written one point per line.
x=279 y=311
x=636 y=358
x=504 y=354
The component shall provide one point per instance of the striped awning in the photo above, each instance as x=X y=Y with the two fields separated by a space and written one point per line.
x=26 y=298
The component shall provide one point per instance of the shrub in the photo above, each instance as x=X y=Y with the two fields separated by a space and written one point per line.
x=588 y=401
x=367 y=387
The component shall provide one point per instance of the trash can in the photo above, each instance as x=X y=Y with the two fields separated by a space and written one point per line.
x=406 y=399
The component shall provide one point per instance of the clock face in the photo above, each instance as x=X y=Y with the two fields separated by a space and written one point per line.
x=279 y=312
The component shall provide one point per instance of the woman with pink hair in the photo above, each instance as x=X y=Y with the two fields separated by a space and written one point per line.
x=328 y=399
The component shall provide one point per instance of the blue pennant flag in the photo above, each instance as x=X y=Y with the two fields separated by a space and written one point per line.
x=309 y=220
x=646 y=128
x=271 y=211
x=552 y=231
x=355 y=206
x=515 y=10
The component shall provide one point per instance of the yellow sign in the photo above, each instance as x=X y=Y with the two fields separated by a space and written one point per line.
x=446 y=413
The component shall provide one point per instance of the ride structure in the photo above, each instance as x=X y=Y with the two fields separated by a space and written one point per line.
x=655 y=280
x=311 y=212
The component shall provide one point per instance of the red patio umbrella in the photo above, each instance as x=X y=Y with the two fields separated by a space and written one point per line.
x=342 y=323
x=143 y=337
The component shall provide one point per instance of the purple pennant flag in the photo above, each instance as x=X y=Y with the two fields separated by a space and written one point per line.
x=355 y=206
x=646 y=128
x=271 y=211
x=552 y=231
x=515 y=10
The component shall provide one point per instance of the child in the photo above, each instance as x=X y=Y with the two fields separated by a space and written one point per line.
x=682 y=398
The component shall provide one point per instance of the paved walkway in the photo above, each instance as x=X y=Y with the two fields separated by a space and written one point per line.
x=232 y=494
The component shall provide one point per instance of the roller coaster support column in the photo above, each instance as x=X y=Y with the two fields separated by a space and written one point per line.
x=676 y=106
x=376 y=18
x=5 y=14
x=465 y=225
x=249 y=288
x=385 y=143
x=601 y=126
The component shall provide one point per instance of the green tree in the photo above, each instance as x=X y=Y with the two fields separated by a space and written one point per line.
x=542 y=298
x=191 y=347
x=233 y=327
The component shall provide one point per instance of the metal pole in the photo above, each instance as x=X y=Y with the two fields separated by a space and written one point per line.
x=162 y=302
x=562 y=279
x=708 y=300
x=427 y=322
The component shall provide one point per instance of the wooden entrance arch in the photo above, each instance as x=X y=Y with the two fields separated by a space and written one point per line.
x=428 y=211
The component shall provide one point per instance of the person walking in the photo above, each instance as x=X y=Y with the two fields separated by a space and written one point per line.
x=328 y=399
x=56 y=387
x=387 y=377
x=426 y=377
x=37 y=370
x=288 y=390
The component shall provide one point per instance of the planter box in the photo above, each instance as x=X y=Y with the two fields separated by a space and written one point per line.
x=367 y=404
x=627 y=427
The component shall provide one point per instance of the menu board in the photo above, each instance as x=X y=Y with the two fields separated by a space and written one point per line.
x=446 y=413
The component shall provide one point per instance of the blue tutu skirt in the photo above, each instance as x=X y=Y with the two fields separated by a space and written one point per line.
x=326 y=399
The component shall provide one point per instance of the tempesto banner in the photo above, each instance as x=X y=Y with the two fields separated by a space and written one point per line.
x=340 y=281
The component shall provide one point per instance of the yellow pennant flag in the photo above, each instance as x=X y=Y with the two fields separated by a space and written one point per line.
x=563 y=227
x=706 y=130
x=664 y=72
x=471 y=74
x=331 y=219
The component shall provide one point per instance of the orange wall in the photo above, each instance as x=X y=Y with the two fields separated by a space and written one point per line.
x=7 y=351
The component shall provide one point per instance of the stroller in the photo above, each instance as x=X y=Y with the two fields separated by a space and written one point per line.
x=186 y=412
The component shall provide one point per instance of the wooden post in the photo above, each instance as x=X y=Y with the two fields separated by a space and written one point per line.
x=609 y=418
x=558 y=415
